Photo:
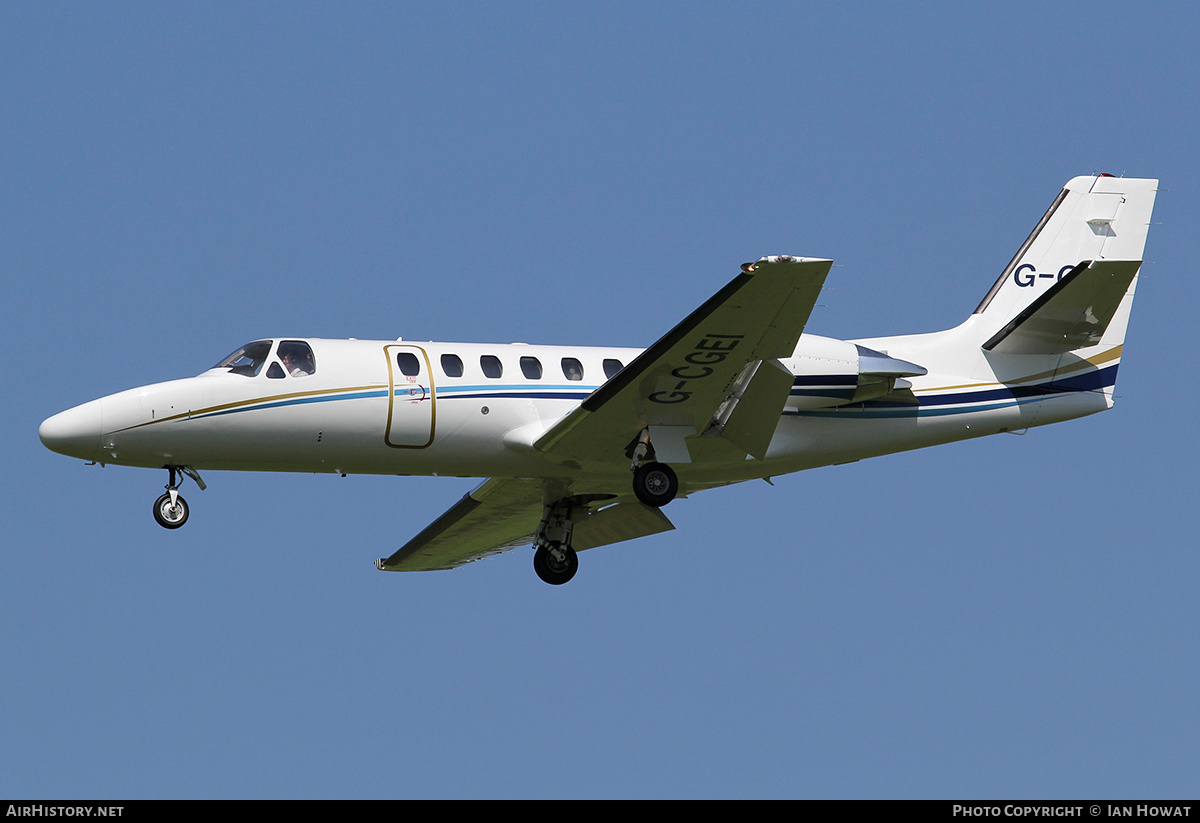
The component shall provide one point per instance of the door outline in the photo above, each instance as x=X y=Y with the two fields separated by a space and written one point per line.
x=389 y=352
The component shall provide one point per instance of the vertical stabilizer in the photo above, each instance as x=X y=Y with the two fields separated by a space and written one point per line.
x=1100 y=219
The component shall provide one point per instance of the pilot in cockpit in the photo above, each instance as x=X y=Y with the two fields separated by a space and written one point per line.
x=296 y=359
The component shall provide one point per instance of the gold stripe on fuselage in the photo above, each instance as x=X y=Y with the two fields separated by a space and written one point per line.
x=254 y=402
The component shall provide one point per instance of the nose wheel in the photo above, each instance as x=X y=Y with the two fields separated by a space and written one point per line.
x=171 y=510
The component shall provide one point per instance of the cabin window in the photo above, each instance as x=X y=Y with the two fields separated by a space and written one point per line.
x=611 y=367
x=297 y=358
x=408 y=363
x=572 y=368
x=451 y=365
x=490 y=364
x=275 y=371
x=247 y=360
x=531 y=367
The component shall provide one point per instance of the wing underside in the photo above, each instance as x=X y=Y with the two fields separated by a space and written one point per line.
x=504 y=514
x=496 y=516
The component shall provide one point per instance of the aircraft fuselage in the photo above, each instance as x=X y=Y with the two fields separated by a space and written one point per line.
x=359 y=413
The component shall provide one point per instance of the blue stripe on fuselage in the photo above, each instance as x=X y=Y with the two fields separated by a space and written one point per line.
x=930 y=404
x=970 y=401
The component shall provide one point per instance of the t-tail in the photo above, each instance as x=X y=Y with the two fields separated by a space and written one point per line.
x=1055 y=320
x=1071 y=284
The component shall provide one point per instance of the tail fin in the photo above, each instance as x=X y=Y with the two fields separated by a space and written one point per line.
x=1071 y=284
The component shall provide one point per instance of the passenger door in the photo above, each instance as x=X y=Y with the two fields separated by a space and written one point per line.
x=411 y=412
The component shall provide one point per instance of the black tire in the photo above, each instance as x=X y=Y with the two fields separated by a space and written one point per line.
x=655 y=484
x=553 y=572
x=168 y=516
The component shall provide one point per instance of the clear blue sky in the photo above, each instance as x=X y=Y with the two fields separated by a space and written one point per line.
x=1015 y=616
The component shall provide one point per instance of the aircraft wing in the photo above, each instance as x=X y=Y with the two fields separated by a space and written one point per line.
x=716 y=369
x=504 y=513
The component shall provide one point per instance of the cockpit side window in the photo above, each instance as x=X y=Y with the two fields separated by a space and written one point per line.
x=297 y=358
x=248 y=360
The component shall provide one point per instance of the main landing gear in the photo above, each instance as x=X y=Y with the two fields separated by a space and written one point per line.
x=655 y=484
x=553 y=559
x=556 y=563
x=171 y=510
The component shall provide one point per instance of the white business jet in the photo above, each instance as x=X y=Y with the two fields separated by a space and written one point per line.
x=585 y=446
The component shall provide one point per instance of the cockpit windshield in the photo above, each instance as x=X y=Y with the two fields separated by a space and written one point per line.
x=247 y=360
x=296 y=357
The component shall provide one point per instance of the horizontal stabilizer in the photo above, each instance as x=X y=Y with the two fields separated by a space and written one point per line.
x=1072 y=314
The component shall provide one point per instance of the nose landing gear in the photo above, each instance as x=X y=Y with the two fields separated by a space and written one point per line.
x=171 y=510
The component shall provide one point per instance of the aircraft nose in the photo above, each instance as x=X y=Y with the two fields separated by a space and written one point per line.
x=75 y=432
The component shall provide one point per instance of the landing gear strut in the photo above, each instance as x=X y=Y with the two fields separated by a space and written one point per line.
x=171 y=510
x=554 y=560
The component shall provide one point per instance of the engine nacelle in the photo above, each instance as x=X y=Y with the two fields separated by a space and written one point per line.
x=832 y=373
